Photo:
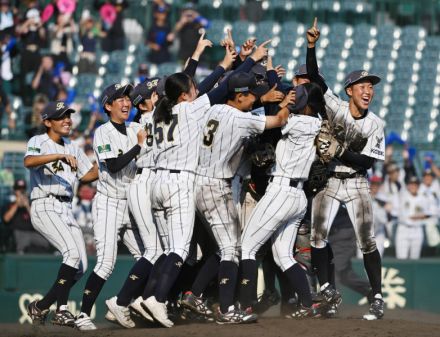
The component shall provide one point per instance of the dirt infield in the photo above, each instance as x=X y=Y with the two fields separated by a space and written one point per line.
x=397 y=323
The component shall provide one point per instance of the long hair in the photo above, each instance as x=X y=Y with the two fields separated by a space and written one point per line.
x=316 y=100
x=175 y=85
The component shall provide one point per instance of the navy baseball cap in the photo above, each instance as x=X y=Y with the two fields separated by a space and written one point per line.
x=160 y=88
x=242 y=82
x=144 y=90
x=114 y=91
x=360 y=75
x=413 y=180
x=302 y=71
x=54 y=110
x=259 y=71
x=301 y=99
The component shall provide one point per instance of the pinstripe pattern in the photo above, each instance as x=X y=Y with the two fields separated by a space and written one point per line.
x=281 y=208
x=371 y=127
x=354 y=193
x=215 y=204
x=110 y=143
x=55 y=221
x=55 y=178
x=139 y=203
x=173 y=201
x=111 y=220
x=145 y=157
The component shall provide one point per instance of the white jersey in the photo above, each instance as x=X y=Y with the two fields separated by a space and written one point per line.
x=370 y=126
x=145 y=157
x=296 y=151
x=432 y=197
x=109 y=143
x=410 y=206
x=224 y=133
x=176 y=145
x=55 y=178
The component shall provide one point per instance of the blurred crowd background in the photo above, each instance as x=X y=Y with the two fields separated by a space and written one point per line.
x=70 y=49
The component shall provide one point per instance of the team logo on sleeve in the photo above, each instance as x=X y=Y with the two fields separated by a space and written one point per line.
x=379 y=142
x=33 y=149
x=104 y=148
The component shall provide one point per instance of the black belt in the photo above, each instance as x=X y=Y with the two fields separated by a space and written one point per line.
x=346 y=175
x=292 y=182
x=139 y=170
x=171 y=171
x=61 y=198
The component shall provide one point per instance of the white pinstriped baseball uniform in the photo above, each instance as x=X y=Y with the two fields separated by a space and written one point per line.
x=409 y=232
x=52 y=187
x=353 y=191
x=224 y=133
x=279 y=212
x=139 y=195
x=110 y=206
x=175 y=150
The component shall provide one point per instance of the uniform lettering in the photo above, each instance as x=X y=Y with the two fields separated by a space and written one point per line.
x=209 y=132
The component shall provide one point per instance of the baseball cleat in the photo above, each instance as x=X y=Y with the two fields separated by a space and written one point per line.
x=331 y=295
x=137 y=307
x=376 y=310
x=84 y=323
x=37 y=315
x=268 y=299
x=158 y=311
x=331 y=311
x=235 y=316
x=63 y=317
x=110 y=317
x=121 y=313
x=196 y=304
x=305 y=312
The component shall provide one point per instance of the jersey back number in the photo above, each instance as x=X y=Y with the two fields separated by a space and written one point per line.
x=209 y=132
x=165 y=132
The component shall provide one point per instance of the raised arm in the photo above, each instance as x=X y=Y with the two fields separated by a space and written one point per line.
x=312 y=65
x=193 y=62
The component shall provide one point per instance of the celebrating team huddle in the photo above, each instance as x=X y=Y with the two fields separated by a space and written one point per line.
x=172 y=183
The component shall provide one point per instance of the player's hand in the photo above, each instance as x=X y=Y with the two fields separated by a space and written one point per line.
x=280 y=71
x=228 y=41
x=272 y=96
x=141 y=136
x=247 y=47
x=71 y=161
x=201 y=45
x=269 y=64
x=261 y=51
x=313 y=34
x=288 y=99
x=228 y=60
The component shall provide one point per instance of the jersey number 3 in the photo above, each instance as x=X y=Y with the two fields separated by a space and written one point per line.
x=209 y=133
x=161 y=128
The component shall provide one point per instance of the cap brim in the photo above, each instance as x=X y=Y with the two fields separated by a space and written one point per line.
x=125 y=90
x=60 y=114
x=260 y=90
x=374 y=79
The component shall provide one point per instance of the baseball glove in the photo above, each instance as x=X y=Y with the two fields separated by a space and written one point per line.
x=318 y=178
x=264 y=155
x=327 y=145
x=357 y=143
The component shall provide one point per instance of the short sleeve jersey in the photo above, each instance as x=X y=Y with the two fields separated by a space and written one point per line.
x=145 y=158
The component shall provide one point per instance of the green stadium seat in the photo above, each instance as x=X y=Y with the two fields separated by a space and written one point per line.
x=168 y=68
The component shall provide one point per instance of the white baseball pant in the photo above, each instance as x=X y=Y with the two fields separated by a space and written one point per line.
x=409 y=241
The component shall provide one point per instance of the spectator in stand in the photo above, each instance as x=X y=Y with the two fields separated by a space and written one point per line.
x=187 y=30
x=413 y=213
x=430 y=188
x=17 y=216
x=8 y=49
x=33 y=120
x=5 y=106
x=89 y=32
x=45 y=81
x=159 y=37
x=6 y=17
x=82 y=211
x=380 y=208
x=113 y=32
x=33 y=37
x=160 y=5
x=61 y=39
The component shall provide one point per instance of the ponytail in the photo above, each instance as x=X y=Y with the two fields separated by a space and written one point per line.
x=175 y=85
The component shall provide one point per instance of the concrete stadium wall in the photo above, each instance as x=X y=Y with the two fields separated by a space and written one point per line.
x=406 y=284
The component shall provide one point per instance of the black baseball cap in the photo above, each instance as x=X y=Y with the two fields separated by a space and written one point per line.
x=114 y=91
x=160 y=89
x=54 y=110
x=242 y=82
x=301 y=99
x=413 y=180
x=360 y=75
x=259 y=71
x=302 y=71
x=428 y=172
x=144 y=90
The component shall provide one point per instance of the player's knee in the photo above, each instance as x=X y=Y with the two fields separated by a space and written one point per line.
x=72 y=258
x=230 y=254
x=368 y=246
x=105 y=268
x=317 y=240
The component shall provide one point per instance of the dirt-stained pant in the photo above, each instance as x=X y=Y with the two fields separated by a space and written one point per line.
x=354 y=193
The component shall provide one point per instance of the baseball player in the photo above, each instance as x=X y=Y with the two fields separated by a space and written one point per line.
x=116 y=145
x=279 y=212
x=413 y=213
x=143 y=97
x=177 y=123
x=360 y=142
x=224 y=133
x=55 y=165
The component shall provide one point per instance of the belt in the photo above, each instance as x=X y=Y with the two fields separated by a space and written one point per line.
x=292 y=182
x=139 y=170
x=61 y=198
x=346 y=175
x=161 y=169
